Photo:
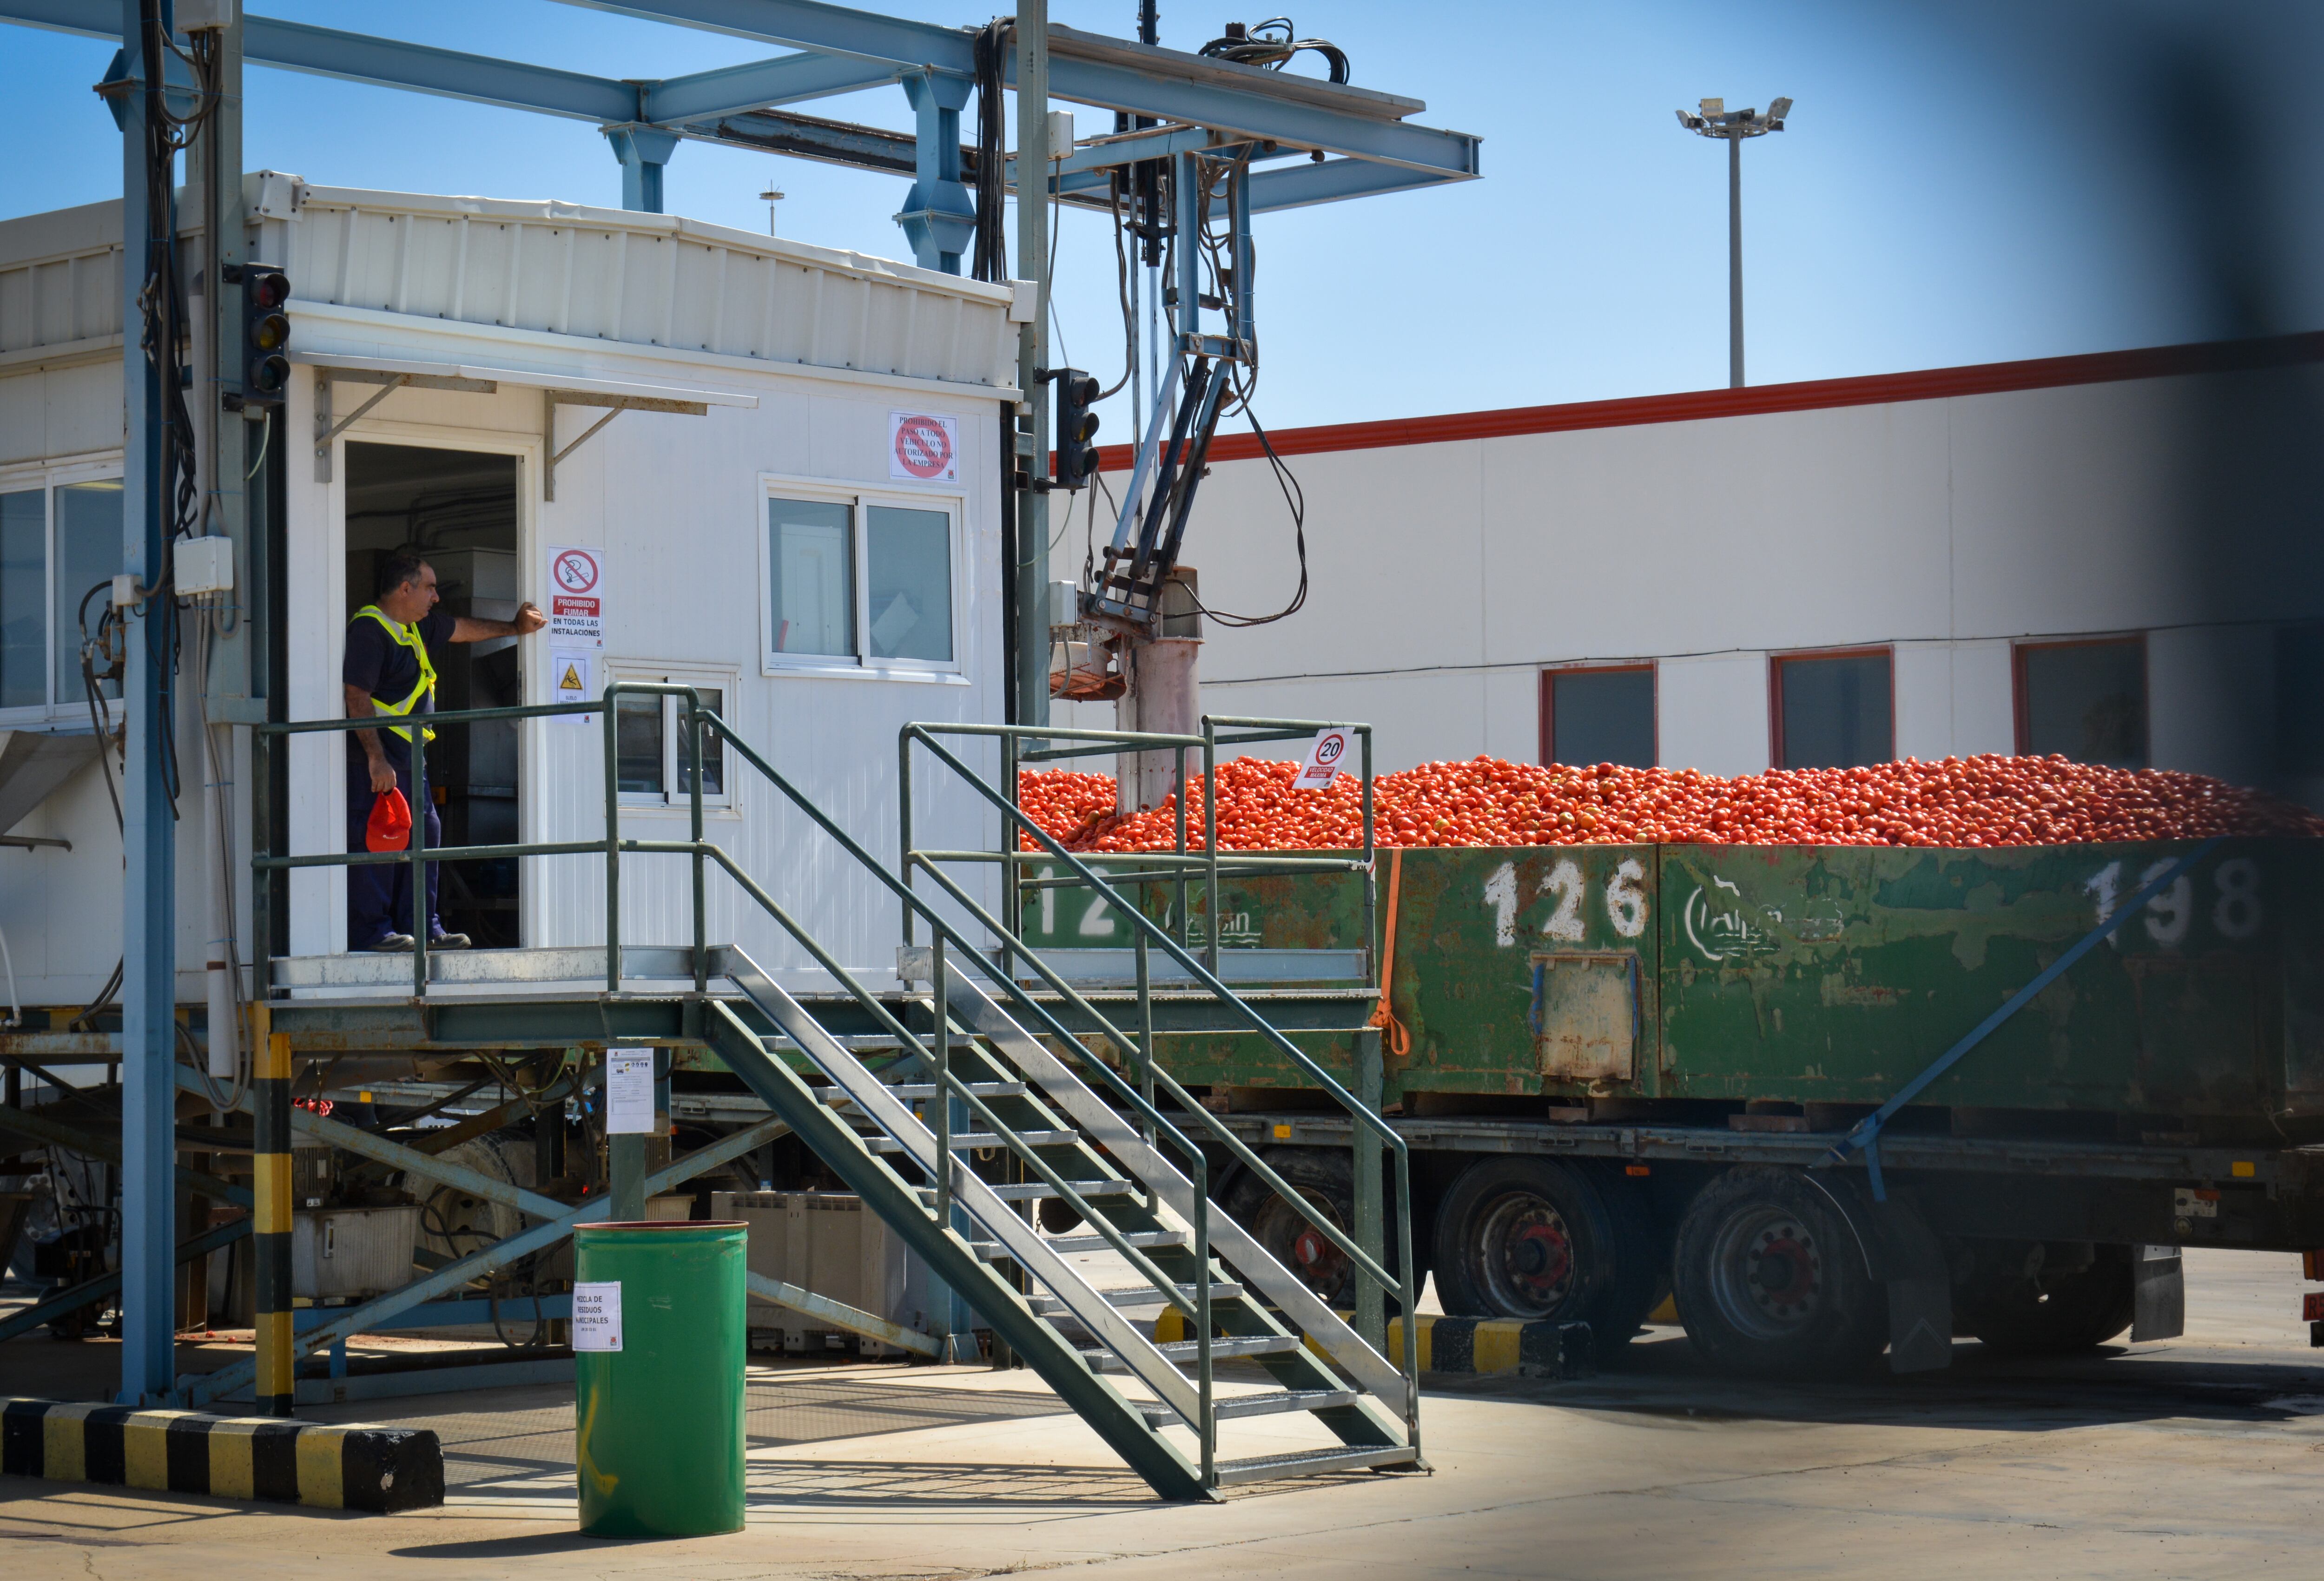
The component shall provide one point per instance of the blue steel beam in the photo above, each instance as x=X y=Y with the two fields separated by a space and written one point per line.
x=868 y=50
x=734 y=89
x=1138 y=78
x=1298 y=186
x=324 y=52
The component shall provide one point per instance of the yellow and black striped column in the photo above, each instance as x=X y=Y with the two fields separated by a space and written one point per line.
x=270 y=1239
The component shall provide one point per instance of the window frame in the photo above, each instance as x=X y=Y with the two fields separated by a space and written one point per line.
x=860 y=498
x=723 y=803
x=2021 y=705
x=1547 y=753
x=48 y=476
x=1776 y=663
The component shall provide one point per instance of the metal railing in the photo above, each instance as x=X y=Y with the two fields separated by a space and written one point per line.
x=1146 y=932
x=1195 y=1305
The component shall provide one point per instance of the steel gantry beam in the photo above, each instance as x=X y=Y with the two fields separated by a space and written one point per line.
x=843 y=51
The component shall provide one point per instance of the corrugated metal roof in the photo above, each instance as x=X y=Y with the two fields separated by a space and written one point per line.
x=595 y=274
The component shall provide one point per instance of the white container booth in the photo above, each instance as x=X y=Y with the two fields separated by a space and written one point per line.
x=756 y=466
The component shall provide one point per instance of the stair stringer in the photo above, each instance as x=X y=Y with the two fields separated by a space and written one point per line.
x=1108 y=1412
x=1099 y=1120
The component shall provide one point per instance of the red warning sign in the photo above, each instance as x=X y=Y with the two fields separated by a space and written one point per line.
x=574 y=570
x=922 y=449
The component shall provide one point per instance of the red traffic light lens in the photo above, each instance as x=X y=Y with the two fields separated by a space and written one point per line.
x=270 y=290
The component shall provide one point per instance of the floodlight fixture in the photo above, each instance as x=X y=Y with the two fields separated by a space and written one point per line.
x=1732 y=127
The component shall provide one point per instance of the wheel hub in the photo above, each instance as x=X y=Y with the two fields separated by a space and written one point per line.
x=1784 y=1272
x=1525 y=1253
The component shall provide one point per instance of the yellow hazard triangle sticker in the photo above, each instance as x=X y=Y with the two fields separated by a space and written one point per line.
x=572 y=681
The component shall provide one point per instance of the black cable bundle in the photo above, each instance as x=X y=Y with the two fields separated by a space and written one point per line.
x=990 y=260
x=162 y=301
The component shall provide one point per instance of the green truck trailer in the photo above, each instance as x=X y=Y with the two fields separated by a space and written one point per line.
x=1629 y=1070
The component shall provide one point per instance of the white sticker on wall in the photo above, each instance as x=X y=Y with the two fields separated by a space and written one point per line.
x=597 y=1316
x=629 y=1092
x=1323 y=756
x=923 y=449
x=570 y=680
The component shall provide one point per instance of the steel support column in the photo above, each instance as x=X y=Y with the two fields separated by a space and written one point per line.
x=149 y=890
x=1032 y=586
x=643 y=151
x=938 y=215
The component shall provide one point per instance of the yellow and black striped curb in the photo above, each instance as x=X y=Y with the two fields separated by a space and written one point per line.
x=1466 y=1345
x=377 y=1469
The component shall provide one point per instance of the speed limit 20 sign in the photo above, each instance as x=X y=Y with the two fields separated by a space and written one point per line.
x=923 y=449
x=1324 y=758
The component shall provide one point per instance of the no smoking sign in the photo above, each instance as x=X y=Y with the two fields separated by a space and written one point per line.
x=923 y=449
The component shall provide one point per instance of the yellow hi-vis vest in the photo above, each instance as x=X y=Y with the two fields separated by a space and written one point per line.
x=405 y=637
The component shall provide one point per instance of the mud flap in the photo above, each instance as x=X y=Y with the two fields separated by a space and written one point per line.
x=1904 y=1257
x=2158 y=1294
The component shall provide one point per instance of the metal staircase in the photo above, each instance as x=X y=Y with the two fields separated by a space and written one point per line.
x=874 y=1132
x=1131 y=1176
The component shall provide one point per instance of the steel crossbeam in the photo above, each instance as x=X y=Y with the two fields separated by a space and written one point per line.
x=844 y=50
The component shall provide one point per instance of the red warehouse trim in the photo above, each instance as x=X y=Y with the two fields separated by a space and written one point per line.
x=1810 y=395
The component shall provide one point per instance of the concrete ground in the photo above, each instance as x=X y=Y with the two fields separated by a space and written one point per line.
x=2190 y=1458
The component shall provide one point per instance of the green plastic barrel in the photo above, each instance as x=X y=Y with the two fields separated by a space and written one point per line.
x=659 y=1439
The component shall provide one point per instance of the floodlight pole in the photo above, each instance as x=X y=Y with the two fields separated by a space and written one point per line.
x=1735 y=264
x=1714 y=119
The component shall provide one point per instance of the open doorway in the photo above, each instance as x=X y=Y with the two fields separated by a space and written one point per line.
x=458 y=510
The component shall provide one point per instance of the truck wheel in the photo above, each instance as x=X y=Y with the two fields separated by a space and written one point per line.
x=2051 y=1311
x=1323 y=1177
x=1769 y=1278
x=1537 y=1240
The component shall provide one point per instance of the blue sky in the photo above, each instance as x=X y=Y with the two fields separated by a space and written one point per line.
x=1960 y=183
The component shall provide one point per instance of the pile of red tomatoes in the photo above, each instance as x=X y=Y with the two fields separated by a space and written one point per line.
x=1990 y=800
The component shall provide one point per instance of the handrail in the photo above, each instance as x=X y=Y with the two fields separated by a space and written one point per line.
x=1143 y=930
x=1158 y=1126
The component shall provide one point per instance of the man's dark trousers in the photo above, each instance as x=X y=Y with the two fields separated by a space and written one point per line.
x=379 y=893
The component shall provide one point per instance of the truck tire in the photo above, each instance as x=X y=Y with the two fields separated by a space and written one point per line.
x=1325 y=1177
x=2050 y=1313
x=1769 y=1278
x=1537 y=1240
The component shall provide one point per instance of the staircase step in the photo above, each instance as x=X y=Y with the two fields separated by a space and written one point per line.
x=984 y=1139
x=1183 y=1351
x=839 y=1097
x=1308 y=1462
x=1037 y=1191
x=993 y=1251
x=1273 y=1402
x=1144 y=1296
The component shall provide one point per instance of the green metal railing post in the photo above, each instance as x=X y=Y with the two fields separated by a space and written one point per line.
x=904 y=822
x=1180 y=801
x=1210 y=844
x=419 y=859
x=943 y=1101
x=1370 y=1319
x=1013 y=865
x=1207 y=1428
x=613 y=848
x=693 y=760
x=1146 y=1049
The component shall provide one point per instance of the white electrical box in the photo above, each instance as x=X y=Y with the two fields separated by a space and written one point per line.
x=204 y=565
x=194 y=16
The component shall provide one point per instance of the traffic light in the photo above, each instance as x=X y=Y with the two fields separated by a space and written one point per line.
x=265 y=334
x=1075 y=426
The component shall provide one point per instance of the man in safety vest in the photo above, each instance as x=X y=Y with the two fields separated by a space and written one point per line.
x=387 y=673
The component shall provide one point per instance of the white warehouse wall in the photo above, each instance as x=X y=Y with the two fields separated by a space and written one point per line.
x=1447 y=574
